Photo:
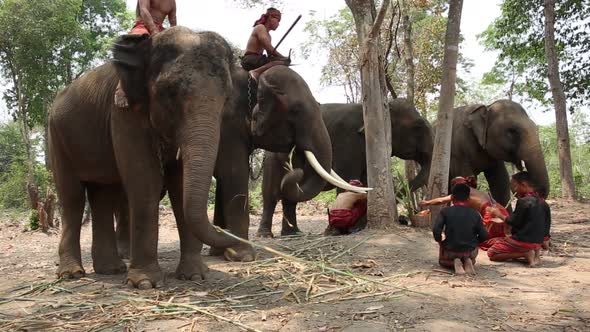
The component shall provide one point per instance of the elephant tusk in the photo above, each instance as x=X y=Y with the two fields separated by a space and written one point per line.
x=335 y=175
x=178 y=154
x=324 y=174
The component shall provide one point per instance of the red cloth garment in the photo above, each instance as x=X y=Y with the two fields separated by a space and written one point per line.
x=531 y=193
x=508 y=245
x=347 y=218
x=140 y=29
x=494 y=230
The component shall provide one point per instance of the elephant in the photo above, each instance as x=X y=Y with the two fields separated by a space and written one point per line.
x=411 y=139
x=276 y=113
x=484 y=137
x=281 y=100
x=177 y=83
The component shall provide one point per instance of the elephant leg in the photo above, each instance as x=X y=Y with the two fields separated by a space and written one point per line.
x=289 y=226
x=122 y=229
x=191 y=266
x=499 y=182
x=141 y=175
x=218 y=217
x=236 y=213
x=72 y=198
x=268 y=209
x=105 y=258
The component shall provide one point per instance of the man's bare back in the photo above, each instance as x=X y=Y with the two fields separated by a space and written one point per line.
x=477 y=199
x=347 y=199
x=153 y=13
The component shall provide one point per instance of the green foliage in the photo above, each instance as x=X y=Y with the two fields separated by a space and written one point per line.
x=47 y=43
x=13 y=185
x=326 y=196
x=580 y=150
x=34 y=220
x=518 y=34
x=12 y=147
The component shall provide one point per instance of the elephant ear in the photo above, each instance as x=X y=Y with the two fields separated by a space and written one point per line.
x=477 y=120
x=131 y=55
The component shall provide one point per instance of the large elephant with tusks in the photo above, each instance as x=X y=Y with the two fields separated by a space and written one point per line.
x=411 y=139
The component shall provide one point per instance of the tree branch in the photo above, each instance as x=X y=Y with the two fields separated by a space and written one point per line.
x=379 y=20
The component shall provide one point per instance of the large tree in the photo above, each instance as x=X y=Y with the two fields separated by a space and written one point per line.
x=565 y=156
x=438 y=181
x=382 y=206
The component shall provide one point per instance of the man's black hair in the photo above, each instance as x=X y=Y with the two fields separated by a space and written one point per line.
x=524 y=177
x=460 y=192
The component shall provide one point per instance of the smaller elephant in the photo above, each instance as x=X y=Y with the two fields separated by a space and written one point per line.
x=484 y=137
x=411 y=139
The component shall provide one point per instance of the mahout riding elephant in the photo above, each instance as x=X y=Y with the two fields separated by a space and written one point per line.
x=177 y=84
x=484 y=137
x=277 y=113
x=283 y=101
x=411 y=139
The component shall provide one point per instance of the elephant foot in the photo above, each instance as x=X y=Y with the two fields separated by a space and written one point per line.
x=123 y=250
x=264 y=232
x=70 y=271
x=115 y=266
x=146 y=278
x=191 y=268
x=291 y=231
x=240 y=253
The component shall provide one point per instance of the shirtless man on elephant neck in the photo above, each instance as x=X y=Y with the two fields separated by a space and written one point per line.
x=150 y=15
x=480 y=202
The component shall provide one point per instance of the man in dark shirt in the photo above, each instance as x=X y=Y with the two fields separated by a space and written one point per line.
x=530 y=221
x=463 y=230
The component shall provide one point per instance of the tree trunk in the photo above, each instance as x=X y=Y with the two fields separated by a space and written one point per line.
x=410 y=165
x=382 y=209
x=408 y=51
x=563 y=140
x=438 y=182
x=32 y=189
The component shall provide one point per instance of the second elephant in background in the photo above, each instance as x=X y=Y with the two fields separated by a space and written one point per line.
x=412 y=138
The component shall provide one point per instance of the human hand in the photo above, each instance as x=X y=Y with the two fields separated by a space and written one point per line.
x=422 y=203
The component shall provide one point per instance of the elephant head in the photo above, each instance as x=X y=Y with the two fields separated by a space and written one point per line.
x=505 y=132
x=287 y=116
x=182 y=79
x=412 y=138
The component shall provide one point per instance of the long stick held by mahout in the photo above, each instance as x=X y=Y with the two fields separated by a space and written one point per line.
x=286 y=33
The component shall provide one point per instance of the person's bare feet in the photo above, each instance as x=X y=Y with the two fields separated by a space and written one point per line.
x=468 y=266
x=537 y=256
x=530 y=257
x=459 y=267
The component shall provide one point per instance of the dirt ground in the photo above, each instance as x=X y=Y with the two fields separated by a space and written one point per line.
x=379 y=281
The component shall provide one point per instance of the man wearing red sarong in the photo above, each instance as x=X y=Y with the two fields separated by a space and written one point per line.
x=348 y=213
x=150 y=15
x=480 y=202
x=530 y=221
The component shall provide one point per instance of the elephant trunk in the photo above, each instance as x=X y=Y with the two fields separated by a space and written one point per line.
x=200 y=140
x=303 y=184
x=421 y=178
x=532 y=155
